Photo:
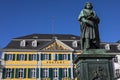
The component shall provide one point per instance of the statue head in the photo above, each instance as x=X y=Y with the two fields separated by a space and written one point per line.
x=88 y=5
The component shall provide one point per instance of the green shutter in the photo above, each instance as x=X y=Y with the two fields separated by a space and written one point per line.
x=68 y=56
x=18 y=58
x=41 y=71
x=60 y=73
x=25 y=57
x=50 y=73
x=37 y=72
x=16 y=76
x=24 y=72
x=30 y=57
x=3 y=75
x=49 y=56
x=13 y=56
x=12 y=73
x=29 y=72
x=60 y=56
x=37 y=57
x=5 y=57
x=69 y=69
x=41 y=56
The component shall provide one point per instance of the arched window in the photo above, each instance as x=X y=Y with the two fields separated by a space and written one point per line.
x=23 y=43
x=74 y=44
x=34 y=43
x=107 y=46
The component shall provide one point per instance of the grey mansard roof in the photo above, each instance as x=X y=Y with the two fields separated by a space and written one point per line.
x=44 y=39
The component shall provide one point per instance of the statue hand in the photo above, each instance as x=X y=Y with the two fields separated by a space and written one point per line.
x=90 y=23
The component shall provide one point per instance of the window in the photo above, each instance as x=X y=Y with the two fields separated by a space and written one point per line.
x=10 y=57
x=45 y=73
x=8 y=73
x=74 y=44
x=65 y=56
x=33 y=57
x=20 y=73
x=55 y=73
x=33 y=72
x=23 y=43
x=45 y=57
x=55 y=56
x=118 y=47
x=65 y=72
x=34 y=43
x=117 y=73
x=107 y=46
x=22 y=57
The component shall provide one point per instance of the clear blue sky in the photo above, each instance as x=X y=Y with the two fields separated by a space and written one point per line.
x=23 y=17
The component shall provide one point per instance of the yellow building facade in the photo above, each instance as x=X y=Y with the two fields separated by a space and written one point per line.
x=41 y=57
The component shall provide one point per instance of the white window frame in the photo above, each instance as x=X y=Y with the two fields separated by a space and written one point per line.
x=45 y=72
x=8 y=73
x=33 y=72
x=118 y=47
x=33 y=57
x=65 y=56
x=23 y=43
x=46 y=56
x=22 y=57
x=74 y=44
x=55 y=72
x=21 y=73
x=65 y=72
x=34 y=43
x=107 y=46
x=10 y=57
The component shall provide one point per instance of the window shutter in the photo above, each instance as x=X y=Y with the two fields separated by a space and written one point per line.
x=24 y=72
x=30 y=57
x=3 y=75
x=37 y=57
x=16 y=76
x=12 y=73
x=5 y=57
x=50 y=73
x=60 y=56
x=25 y=57
x=60 y=73
x=37 y=72
x=68 y=56
x=18 y=58
x=29 y=72
x=49 y=56
x=41 y=56
x=13 y=56
x=41 y=71
x=69 y=73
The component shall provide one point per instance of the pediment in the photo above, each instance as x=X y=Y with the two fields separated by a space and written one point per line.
x=57 y=45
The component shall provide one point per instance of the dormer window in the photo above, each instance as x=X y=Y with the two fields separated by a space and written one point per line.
x=107 y=46
x=23 y=43
x=34 y=43
x=74 y=44
x=118 y=47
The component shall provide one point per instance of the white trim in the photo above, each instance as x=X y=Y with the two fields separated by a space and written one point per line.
x=69 y=48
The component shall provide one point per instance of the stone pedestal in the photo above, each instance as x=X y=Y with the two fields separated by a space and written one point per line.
x=95 y=66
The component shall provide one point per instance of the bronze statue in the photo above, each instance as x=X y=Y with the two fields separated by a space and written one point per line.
x=89 y=28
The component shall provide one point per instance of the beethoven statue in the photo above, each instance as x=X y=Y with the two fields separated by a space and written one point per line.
x=89 y=28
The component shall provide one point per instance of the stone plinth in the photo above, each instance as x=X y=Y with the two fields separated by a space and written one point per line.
x=95 y=66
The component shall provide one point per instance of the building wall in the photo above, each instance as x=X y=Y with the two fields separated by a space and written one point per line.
x=45 y=64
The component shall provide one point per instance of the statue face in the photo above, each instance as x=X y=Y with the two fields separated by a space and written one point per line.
x=88 y=5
